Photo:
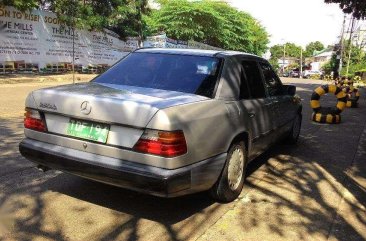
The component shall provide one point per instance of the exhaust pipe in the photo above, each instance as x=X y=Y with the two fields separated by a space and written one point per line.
x=43 y=168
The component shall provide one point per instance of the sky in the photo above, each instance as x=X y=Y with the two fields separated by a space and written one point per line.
x=297 y=21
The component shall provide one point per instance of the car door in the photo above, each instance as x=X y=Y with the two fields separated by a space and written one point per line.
x=255 y=106
x=281 y=102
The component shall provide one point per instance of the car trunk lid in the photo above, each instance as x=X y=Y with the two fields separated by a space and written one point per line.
x=124 y=105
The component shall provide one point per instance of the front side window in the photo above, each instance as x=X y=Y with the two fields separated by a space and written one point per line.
x=183 y=73
x=272 y=82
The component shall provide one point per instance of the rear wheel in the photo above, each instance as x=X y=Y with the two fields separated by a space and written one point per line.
x=294 y=133
x=231 y=181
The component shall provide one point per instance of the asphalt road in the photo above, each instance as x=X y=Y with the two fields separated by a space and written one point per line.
x=315 y=190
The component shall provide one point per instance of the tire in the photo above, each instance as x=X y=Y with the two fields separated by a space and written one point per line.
x=230 y=184
x=294 y=133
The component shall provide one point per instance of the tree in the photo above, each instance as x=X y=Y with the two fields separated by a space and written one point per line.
x=274 y=63
x=122 y=16
x=355 y=56
x=312 y=47
x=357 y=60
x=291 y=50
x=22 y=5
x=355 y=7
x=212 y=22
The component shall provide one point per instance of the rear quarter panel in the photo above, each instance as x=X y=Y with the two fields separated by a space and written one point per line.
x=207 y=125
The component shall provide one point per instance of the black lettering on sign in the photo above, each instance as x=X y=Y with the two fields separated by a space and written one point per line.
x=4 y=13
x=17 y=15
x=22 y=26
x=31 y=17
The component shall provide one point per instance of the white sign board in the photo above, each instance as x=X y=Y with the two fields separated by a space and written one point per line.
x=38 y=37
x=162 y=41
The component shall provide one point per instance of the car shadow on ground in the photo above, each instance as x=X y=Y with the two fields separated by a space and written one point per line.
x=166 y=212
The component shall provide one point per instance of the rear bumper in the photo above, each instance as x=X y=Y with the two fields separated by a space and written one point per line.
x=143 y=178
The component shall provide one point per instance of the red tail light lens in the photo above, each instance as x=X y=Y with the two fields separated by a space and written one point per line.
x=162 y=143
x=33 y=120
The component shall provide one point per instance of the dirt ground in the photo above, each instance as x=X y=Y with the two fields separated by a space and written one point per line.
x=35 y=78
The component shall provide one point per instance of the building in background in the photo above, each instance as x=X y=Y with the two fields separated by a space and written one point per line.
x=288 y=62
x=319 y=58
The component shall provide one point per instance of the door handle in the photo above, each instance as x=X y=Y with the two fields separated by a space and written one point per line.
x=251 y=114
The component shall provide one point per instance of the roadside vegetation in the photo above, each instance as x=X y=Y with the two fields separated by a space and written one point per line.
x=353 y=57
x=279 y=51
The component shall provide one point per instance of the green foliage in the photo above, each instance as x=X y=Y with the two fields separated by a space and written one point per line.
x=276 y=51
x=330 y=65
x=357 y=59
x=356 y=63
x=353 y=68
x=274 y=63
x=22 y=5
x=293 y=66
x=122 y=16
x=212 y=22
x=291 y=50
x=312 y=47
x=355 y=7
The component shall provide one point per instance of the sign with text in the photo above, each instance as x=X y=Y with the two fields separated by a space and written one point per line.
x=38 y=37
x=162 y=41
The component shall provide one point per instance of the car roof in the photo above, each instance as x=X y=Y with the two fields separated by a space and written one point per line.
x=197 y=52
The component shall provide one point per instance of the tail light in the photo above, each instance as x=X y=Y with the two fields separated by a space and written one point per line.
x=33 y=120
x=162 y=143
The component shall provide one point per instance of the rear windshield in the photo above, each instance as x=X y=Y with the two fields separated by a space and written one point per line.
x=183 y=73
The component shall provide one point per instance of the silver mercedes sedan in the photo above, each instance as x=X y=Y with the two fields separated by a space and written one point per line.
x=167 y=122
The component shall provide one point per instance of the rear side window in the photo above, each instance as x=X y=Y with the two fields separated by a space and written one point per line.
x=183 y=73
x=254 y=83
x=272 y=82
x=244 y=87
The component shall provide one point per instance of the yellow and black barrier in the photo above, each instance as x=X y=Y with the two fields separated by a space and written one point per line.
x=329 y=115
x=328 y=118
x=353 y=95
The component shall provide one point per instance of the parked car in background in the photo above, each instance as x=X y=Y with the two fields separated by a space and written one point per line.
x=308 y=74
x=295 y=74
x=167 y=122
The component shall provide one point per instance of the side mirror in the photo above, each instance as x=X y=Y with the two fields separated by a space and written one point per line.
x=289 y=90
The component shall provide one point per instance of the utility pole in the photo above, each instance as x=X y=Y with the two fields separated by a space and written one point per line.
x=341 y=47
x=283 y=59
x=361 y=41
x=350 y=45
x=300 y=63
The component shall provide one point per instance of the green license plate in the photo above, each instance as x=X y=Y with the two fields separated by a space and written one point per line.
x=88 y=130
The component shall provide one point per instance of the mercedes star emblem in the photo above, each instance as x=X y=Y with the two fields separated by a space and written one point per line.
x=85 y=108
